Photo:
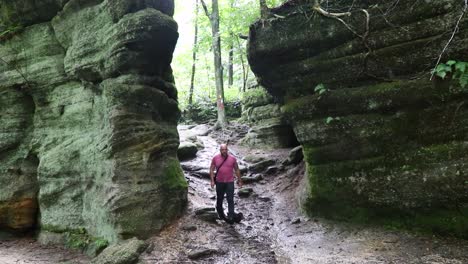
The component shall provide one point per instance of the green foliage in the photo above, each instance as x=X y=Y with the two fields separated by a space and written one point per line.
x=457 y=70
x=235 y=18
x=233 y=108
x=320 y=89
x=101 y=243
x=78 y=238
x=330 y=119
x=9 y=32
x=202 y=111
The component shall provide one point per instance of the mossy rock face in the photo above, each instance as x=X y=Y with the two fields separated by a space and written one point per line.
x=379 y=138
x=256 y=97
x=72 y=238
x=88 y=114
x=28 y=12
x=269 y=129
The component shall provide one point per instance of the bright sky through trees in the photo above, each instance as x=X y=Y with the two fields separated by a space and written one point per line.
x=233 y=21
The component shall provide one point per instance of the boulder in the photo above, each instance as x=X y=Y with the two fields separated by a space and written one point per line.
x=245 y=192
x=187 y=151
x=252 y=158
x=126 y=252
x=295 y=156
x=207 y=214
x=261 y=166
x=201 y=253
x=253 y=178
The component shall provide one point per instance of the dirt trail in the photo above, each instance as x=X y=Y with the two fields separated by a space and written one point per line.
x=273 y=230
x=216 y=242
x=29 y=251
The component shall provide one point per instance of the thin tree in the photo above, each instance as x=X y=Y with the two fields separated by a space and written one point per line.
x=194 y=54
x=245 y=72
x=216 y=46
x=263 y=9
x=231 y=53
x=231 y=61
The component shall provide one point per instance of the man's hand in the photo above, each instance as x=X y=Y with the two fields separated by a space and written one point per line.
x=239 y=183
x=212 y=183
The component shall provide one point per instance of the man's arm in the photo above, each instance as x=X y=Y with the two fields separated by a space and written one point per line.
x=238 y=175
x=212 y=167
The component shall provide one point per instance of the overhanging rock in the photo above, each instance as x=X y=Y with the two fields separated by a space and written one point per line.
x=379 y=138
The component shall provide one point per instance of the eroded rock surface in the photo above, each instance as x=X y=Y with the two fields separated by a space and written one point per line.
x=269 y=129
x=88 y=117
x=379 y=138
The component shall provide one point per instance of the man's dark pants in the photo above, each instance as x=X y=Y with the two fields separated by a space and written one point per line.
x=228 y=189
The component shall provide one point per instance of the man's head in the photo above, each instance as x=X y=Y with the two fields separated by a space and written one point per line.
x=224 y=150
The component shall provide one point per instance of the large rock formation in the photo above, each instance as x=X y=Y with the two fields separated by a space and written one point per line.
x=379 y=138
x=269 y=129
x=88 y=115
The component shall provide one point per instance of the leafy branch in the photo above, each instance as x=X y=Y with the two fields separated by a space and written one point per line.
x=465 y=8
x=456 y=69
x=9 y=32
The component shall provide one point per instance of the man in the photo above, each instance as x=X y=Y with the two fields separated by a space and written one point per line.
x=225 y=166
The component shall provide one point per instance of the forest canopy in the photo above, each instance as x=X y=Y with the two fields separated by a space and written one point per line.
x=235 y=17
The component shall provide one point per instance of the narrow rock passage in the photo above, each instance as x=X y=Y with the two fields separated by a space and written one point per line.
x=205 y=239
x=274 y=231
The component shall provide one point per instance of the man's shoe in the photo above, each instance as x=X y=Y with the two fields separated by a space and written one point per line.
x=238 y=217
x=229 y=220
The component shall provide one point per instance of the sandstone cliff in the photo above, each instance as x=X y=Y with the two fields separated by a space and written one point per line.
x=268 y=130
x=88 y=114
x=381 y=141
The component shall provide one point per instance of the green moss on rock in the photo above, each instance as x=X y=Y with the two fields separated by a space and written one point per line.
x=410 y=189
x=77 y=238
x=174 y=175
x=256 y=97
x=440 y=221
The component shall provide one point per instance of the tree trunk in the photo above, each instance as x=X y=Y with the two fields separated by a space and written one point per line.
x=263 y=9
x=216 y=46
x=244 y=70
x=230 y=63
x=194 y=54
x=231 y=53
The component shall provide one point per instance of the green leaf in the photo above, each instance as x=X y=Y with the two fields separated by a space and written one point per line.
x=440 y=68
x=461 y=66
x=329 y=120
x=451 y=62
x=441 y=74
x=319 y=87
x=463 y=80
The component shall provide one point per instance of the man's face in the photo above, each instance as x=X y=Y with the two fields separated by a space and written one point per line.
x=223 y=150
